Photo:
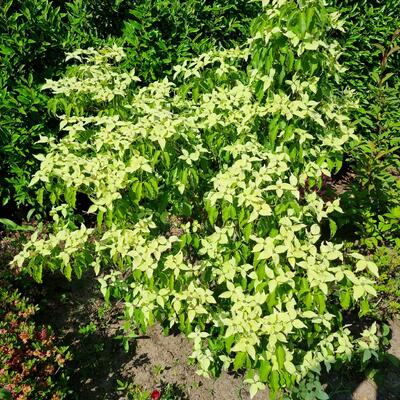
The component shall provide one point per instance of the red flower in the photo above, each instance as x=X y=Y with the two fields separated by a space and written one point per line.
x=155 y=395
x=42 y=335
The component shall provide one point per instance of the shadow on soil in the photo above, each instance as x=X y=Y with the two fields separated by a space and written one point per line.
x=76 y=313
x=348 y=384
x=385 y=386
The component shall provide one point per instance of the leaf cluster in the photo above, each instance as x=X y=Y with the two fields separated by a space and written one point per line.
x=373 y=60
x=35 y=34
x=31 y=363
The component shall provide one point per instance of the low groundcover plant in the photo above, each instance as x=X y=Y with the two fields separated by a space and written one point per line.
x=31 y=365
x=198 y=208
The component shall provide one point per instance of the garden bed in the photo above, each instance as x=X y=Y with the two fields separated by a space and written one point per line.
x=155 y=360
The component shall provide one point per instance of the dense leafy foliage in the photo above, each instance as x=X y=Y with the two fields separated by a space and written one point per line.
x=30 y=362
x=199 y=212
x=373 y=60
x=371 y=198
x=35 y=34
x=161 y=34
x=368 y=24
x=388 y=285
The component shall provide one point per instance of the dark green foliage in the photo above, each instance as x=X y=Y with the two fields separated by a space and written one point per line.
x=28 y=36
x=34 y=34
x=388 y=287
x=373 y=60
x=375 y=194
x=162 y=33
x=372 y=199
x=368 y=22
x=106 y=17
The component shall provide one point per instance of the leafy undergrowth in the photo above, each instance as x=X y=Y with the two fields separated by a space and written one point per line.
x=101 y=369
x=31 y=364
x=388 y=285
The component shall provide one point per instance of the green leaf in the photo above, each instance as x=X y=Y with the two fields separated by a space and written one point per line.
x=68 y=271
x=364 y=308
x=302 y=24
x=358 y=292
x=212 y=214
x=273 y=129
x=226 y=214
x=167 y=159
x=345 y=299
x=366 y=356
x=5 y=394
x=239 y=361
x=274 y=381
x=280 y=355
x=70 y=196
x=332 y=227
x=264 y=371
x=385 y=330
x=228 y=343
x=99 y=218
x=12 y=226
x=247 y=232
x=310 y=15
x=321 y=302
x=39 y=196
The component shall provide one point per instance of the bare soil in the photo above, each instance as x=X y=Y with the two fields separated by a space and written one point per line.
x=153 y=361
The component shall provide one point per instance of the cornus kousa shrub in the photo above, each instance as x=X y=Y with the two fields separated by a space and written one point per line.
x=197 y=211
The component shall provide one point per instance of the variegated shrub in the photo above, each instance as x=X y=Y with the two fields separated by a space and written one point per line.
x=199 y=187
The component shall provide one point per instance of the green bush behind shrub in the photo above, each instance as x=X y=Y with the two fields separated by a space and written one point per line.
x=161 y=34
x=372 y=56
x=368 y=22
x=372 y=199
x=34 y=35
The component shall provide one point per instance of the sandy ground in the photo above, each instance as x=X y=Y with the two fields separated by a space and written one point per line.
x=159 y=359
x=153 y=361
